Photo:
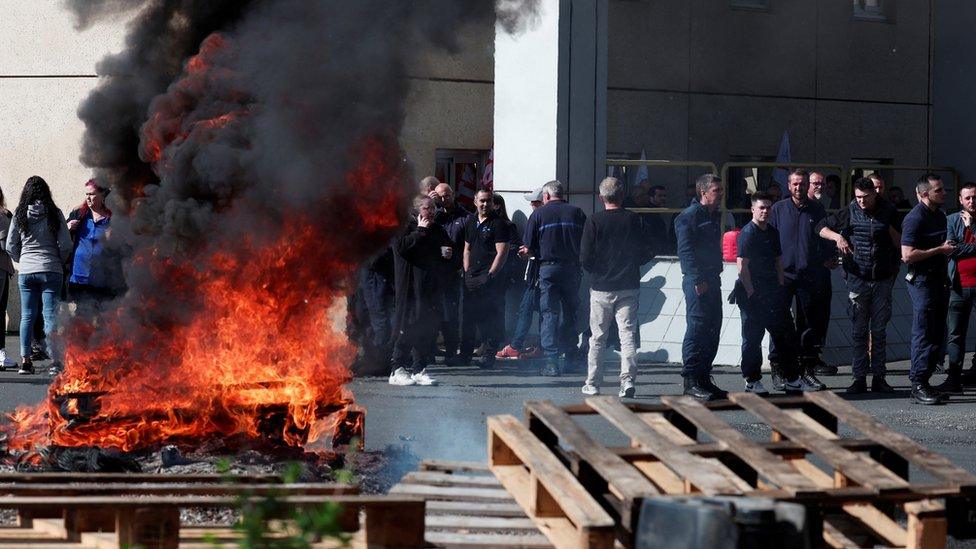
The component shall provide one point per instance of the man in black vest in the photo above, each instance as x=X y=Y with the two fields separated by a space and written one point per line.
x=924 y=248
x=867 y=234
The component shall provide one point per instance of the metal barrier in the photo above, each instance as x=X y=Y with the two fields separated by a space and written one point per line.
x=883 y=167
x=845 y=176
x=709 y=166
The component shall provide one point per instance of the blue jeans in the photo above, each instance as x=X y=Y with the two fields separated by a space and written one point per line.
x=930 y=301
x=869 y=306
x=558 y=292
x=36 y=289
x=703 y=318
x=528 y=306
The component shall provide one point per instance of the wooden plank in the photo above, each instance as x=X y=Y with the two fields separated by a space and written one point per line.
x=52 y=489
x=898 y=443
x=478 y=524
x=394 y=524
x=838 y=532
x=881 y=524
x=661 y=424
x=785 y=448
x=453 y=466
x=446 y=539
x=129 y=502
x=435 y=478
x=496 y=495
x=559 y=506
x=706 y=476
x=624 y=482
x=862 y=470
x=477 y=509
x=773 y=468
x=927 y=525
x=101 y=478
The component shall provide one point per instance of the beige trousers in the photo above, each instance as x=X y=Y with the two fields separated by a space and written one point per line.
x=605 y=308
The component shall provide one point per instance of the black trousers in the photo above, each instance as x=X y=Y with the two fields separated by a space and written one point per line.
x=767 y=310
x=960 y=307
x=810 y=295
x=412 y=346
x=483 y=317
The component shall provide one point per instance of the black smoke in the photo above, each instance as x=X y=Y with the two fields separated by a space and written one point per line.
x=305 y=82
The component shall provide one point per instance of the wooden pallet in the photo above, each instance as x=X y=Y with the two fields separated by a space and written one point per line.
x=570 y=485
x=468 y=507
x=90 y=513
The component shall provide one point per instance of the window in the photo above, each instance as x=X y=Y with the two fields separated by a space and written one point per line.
x=872 y=10
x=754 y=5
x=462 y=170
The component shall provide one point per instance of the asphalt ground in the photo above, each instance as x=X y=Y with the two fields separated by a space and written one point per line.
x=448 y=421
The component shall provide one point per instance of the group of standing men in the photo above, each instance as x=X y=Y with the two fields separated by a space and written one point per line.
x=784 y=255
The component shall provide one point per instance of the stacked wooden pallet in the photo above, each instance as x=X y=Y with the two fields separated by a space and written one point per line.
x=468 y=507
x=583 y=493
x=102 y=511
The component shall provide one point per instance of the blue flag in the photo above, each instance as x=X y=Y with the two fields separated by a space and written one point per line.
x=782 y=175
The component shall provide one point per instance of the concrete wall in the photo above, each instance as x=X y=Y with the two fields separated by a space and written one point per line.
x=700 y=80
x=954 y=86
x=451 y=98
x=662 y=319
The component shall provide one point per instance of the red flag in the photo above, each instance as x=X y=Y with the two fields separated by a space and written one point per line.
x=488 y=177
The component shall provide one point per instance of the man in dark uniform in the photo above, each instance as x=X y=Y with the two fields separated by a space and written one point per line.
x=552 y=234
x=867 y=234
x=924 y=249
x=452 y=217
x=762 y=304
x=422 y=260
x=372 y=321
x=806 y=258
x=486 y=243
x=699 y=235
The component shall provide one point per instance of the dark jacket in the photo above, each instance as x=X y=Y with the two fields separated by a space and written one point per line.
x=420 y=275
x=553 y=232
x=875 y=256
x=453 y=223
x=956 y=231
x=804 y=252
x=699 y=235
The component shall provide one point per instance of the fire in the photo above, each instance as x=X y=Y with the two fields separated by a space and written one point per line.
x=259 y=354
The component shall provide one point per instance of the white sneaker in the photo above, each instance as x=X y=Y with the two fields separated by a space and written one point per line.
x=627 y=389
x=4 y=361
x=401 y=377
x=422 y=378
x=799 y=385
x=756 y=387
x=590 y=390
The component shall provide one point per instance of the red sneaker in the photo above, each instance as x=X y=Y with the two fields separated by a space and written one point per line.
x=509 y=353
x=531 y=352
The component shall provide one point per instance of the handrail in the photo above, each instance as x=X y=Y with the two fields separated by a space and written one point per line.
x=899 y=167
x=845 y=176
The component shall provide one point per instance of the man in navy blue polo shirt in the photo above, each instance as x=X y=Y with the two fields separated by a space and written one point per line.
x=552 y=235
x=925 y=249
x=807 y=259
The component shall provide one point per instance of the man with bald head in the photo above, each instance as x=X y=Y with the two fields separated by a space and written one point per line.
x=452 y=217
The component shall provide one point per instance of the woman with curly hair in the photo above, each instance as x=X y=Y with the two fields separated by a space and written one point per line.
x=39 y=241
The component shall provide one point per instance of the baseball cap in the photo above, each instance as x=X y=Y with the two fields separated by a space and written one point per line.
x=534 y=196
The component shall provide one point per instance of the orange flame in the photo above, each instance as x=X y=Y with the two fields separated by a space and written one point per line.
x=260 y=356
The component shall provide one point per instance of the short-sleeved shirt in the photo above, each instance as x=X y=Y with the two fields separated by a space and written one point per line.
x=482 y=237
x=761 y=248
x=925 y=229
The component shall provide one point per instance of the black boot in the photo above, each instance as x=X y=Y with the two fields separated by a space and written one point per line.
x=952 y=383
x=922 y=393
x=717 y=392
x=879 y=385
x=776 y=377
x=969 y=376
x=821 y=368
x=696 y=390
x=858 y=387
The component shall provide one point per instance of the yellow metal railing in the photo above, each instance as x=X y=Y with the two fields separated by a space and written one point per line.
x=785 y=165
x=849 y=195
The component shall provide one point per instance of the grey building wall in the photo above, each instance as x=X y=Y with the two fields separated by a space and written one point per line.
x=954 y=86
x=703 y=80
